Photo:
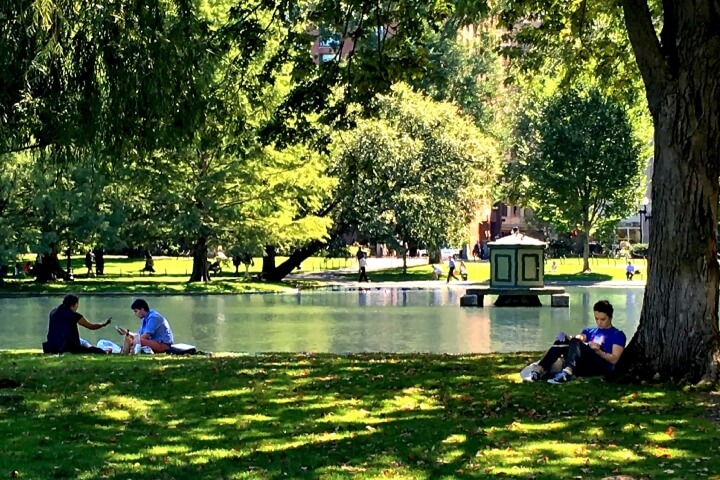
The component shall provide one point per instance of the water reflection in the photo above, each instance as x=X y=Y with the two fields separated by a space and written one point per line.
x=393 y=320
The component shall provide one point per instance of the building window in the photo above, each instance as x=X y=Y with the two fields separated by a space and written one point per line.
x=327 y=57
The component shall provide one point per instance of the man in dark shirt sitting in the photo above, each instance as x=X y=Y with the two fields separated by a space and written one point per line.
x=63 y=336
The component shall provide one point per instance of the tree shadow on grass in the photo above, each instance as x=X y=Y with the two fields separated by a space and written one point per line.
x=322 y=416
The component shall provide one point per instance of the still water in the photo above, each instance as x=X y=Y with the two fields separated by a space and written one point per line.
x=388 y=320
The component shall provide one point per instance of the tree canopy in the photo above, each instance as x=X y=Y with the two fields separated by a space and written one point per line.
x=577 y=163
x=421 y=170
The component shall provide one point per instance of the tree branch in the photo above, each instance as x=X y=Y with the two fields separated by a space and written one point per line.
x=25 y=147
x=647 y=49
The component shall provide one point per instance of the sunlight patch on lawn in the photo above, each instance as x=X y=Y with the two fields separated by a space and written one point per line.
x=535 y=427
x=132 y=405
x=115 y=414
x=414 y=398
x=638 y=399
x=238 y=392
x=312 y=439
x=162 y=450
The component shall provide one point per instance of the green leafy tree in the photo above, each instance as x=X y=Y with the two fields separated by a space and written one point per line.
x=16 y=192
x=673 y=48
x=421 y=172
x=468 y=72
x=577 y=163
x=72 y=208
x=221 y=185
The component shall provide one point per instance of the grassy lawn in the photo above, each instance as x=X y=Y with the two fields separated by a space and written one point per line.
x=124 y=275
x=369 y=416
x=568 y=270
x=172 y=273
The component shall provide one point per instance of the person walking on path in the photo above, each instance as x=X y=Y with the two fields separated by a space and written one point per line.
x=451 y=268
x=149 y=263
x=89 y=263
x=363 y=265
x=477 y=252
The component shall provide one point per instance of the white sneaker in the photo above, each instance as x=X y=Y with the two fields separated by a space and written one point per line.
x=529 y=373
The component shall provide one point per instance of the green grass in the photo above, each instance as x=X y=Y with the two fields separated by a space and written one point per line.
x=172 y=273
x=124 y=275
x=569 y=270
x=324 y=417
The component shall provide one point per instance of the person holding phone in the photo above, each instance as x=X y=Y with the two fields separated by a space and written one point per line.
x=594 y=351
x=155 y=331
x=63 y=335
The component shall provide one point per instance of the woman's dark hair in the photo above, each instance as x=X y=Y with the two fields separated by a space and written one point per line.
x=603 y=306
x=69 y=300
x=141 y=304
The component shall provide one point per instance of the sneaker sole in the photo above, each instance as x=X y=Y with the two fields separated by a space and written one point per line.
x=525 y=373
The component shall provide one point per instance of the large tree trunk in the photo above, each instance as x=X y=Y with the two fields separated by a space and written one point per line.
x=276 y=274
x=294 y=260
x=586 y=248
x=268 y=265
x=48 y=269
x=677 y=338
x=200 y=264
x=405 y=252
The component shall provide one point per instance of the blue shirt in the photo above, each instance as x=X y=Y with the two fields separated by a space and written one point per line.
x=606 y=338
x=158 y=328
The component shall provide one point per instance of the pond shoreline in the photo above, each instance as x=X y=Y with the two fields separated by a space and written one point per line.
x=335 y=286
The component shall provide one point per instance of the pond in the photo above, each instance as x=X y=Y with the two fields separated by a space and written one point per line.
x=388 y=320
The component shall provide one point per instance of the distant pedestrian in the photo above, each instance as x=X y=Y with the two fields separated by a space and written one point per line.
x=437 y=272
x=451 y=268
x=99 y=261
x=245 y=259
x=477 y=251
x=629 y=271
x=149 y=263
x=363 y=274
x=89 y=263
x=463 y=271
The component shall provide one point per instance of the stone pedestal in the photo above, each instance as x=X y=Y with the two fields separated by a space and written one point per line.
x=560 y=300
x=518 y=301
x=469 y=301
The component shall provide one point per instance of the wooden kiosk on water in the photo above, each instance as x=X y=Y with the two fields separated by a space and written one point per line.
x=517 y=271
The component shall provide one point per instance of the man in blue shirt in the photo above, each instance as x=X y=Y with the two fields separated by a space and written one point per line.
x=595 y=351
x=154 y=330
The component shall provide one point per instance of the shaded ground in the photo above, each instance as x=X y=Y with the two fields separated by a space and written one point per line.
x=332 y=417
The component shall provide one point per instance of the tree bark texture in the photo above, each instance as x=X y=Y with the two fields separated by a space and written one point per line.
x=295 y=259
x=200 y=263
x=268 y=266
x=586 y=248
x=677 y=338
x=48 y=269
x=276 y=274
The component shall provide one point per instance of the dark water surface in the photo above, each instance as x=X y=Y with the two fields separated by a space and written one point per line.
x=389 y=320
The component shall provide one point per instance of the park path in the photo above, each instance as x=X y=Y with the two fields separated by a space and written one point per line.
x=335 y=279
